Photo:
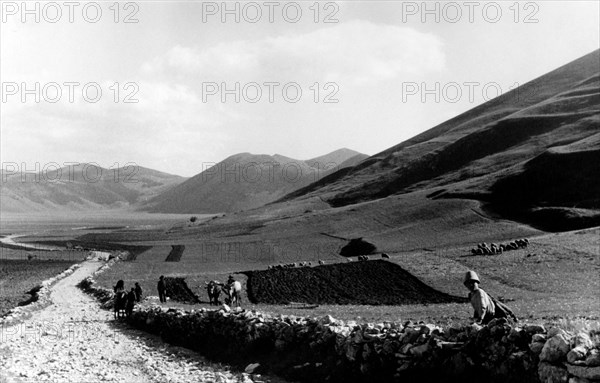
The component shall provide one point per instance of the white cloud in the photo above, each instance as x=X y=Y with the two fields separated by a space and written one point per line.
x=355 y=52
x=170 y=128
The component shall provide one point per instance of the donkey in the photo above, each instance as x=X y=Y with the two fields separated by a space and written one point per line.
x=120 y=304
x=213 y=289
x=234 y=293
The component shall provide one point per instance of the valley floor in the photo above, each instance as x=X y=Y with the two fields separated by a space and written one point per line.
x=73 y=340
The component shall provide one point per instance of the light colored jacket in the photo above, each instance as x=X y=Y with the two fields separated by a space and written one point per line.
x=483 y=305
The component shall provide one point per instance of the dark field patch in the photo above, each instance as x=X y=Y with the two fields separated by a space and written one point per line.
x=179 y=291
x=367 y=283
x=17 y=277
x=175 y=254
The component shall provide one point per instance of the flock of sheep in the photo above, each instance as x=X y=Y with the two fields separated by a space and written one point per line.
x=321 y=262
x=366 y=257
x=484 y=249
x=292 y=265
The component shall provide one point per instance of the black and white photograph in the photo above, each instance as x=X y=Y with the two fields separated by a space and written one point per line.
x=302 y=191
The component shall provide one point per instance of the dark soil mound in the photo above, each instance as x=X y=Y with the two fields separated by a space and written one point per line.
x=175 y=254
x=179 y=291
x=356 y=247
x=368 y=283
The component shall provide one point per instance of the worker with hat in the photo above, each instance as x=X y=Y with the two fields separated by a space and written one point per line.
x=483 y=304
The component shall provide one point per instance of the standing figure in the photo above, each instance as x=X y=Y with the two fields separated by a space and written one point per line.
x=162 y=289
x=120 y=299
x=138 y=292
x=131 y=298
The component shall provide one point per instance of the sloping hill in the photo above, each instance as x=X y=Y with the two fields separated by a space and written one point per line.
x=470 y=153
x=82 y=187
x=244 y=181
x=336 y=158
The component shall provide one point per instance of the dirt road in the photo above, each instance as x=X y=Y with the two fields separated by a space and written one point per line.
x=73 y=340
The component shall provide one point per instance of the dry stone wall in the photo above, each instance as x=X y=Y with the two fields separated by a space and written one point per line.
x=330 y=350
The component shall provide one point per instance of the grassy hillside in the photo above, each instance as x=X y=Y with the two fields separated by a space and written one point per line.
x=245 y=181
x=82 y=187
x=498 y=152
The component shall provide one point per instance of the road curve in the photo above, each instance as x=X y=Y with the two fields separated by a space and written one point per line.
x=73 y=340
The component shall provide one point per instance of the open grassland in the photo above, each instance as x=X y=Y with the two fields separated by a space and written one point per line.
x=555 y=278
x=18 y=276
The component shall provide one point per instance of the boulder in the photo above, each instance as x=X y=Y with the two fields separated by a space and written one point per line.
x=582 y=340
x=538 y=338
x=420 y=350
x=549 y=373
x=584 y=372
x=251 y=368
x=593 y=358
x=352 y=351
x=578 y=353
x=575 y=379
x=556 y=331
x=536 y=347
x=327 y=319
x=555 y=349
x=534 y=329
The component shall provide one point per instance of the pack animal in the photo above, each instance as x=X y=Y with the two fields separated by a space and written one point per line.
x=213 y=288
x=120 y=304
x=234 y=293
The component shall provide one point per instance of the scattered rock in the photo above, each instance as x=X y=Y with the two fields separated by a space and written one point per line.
x=584 y=372
x=555 y=349
x=578 y=353
x=582 y=340
x=593 y=358
x=549 y=373
x=251 y=368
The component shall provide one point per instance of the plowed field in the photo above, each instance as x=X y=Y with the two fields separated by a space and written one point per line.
x=375 y=282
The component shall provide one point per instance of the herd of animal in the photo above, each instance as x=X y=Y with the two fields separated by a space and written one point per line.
x=232 y=291
x=292 y=265
x=492 y=249
x=366 y=257
x=321 y=262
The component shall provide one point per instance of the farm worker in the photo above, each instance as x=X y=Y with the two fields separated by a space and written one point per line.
x=482 y=303
x=131 y=297
x=162 y=289
x=138 y=292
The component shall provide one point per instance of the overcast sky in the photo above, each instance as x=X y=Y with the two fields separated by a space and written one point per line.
x=373 y=58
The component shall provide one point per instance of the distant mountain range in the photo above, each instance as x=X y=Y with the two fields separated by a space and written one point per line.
x=245 y=181
x=241 y=181
x=82 y=187
x=532 y=154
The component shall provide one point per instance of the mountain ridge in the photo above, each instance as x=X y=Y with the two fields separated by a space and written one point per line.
x=245 y=181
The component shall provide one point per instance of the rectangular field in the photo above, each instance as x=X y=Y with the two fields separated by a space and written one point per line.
x=18 y=276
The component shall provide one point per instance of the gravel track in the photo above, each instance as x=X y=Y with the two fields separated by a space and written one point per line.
x=73 y=340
